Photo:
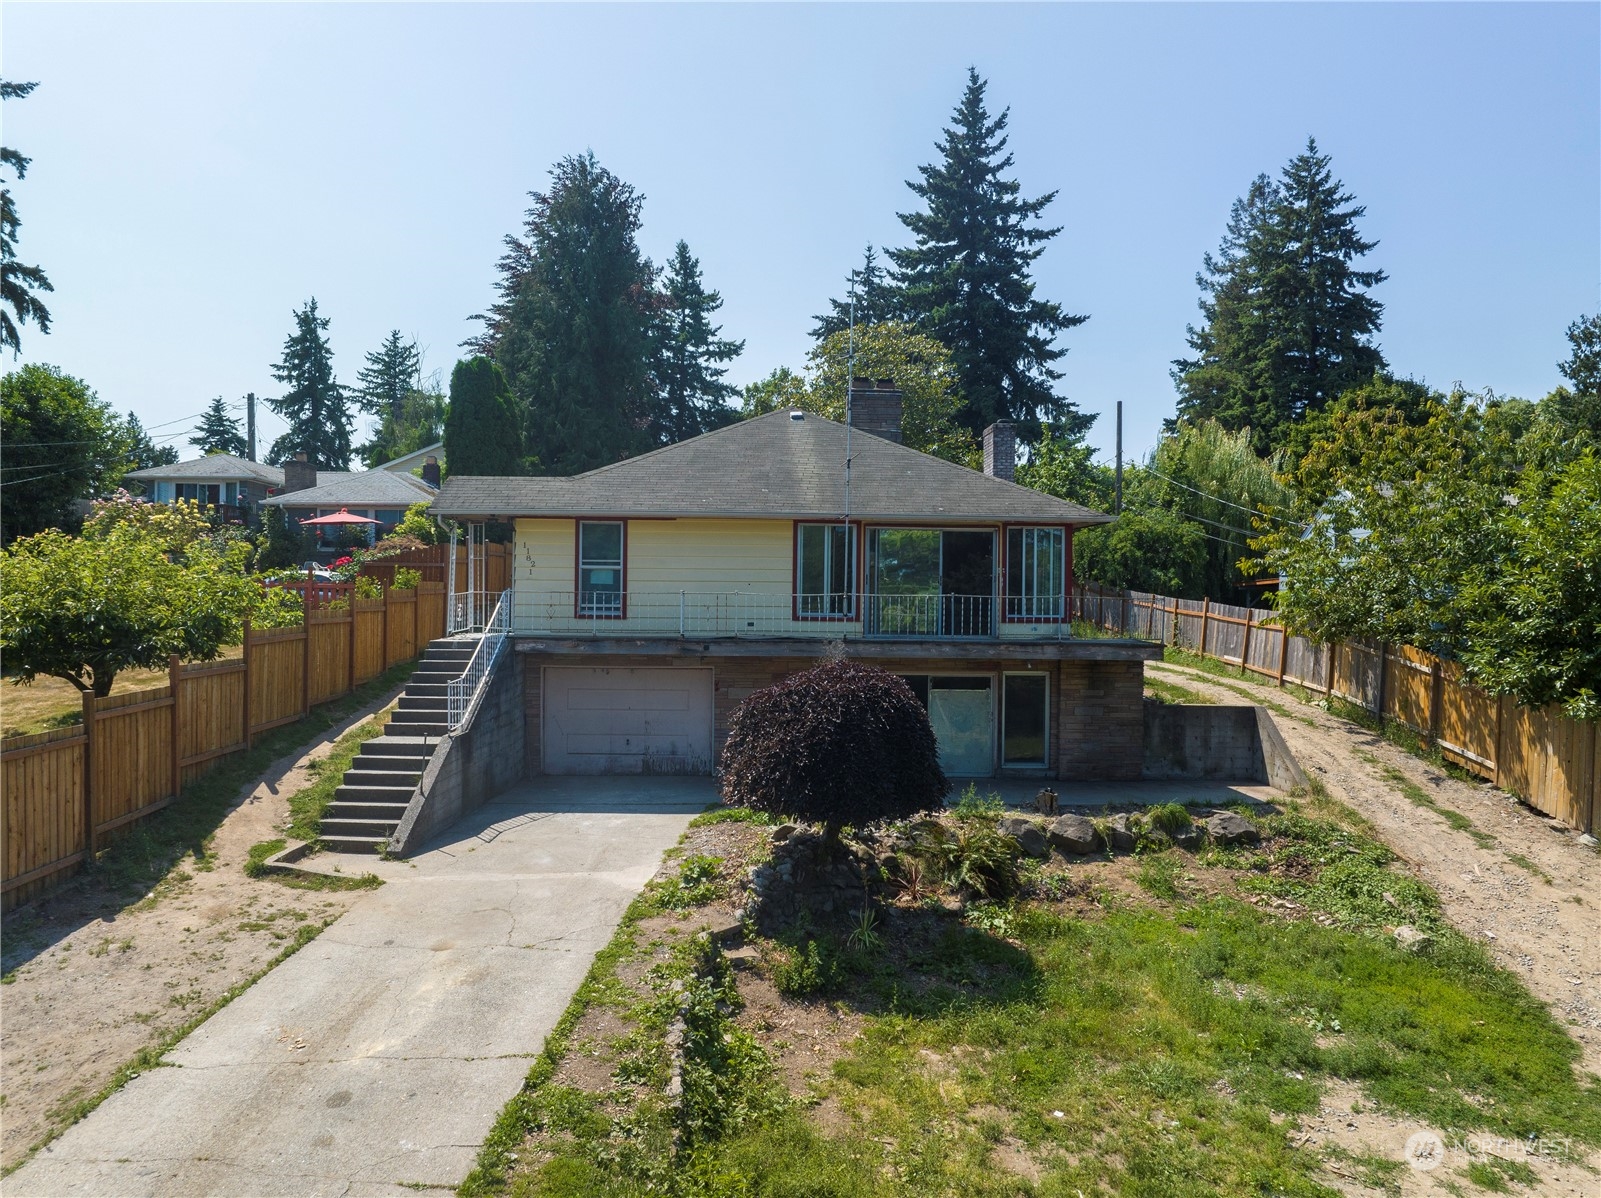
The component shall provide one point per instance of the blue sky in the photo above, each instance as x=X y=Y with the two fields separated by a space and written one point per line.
x=200 y=170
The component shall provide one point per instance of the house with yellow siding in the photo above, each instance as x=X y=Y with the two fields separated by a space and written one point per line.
x=650 y=596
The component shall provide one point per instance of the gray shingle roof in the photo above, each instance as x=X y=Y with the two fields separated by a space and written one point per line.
x=771 y=466
x=216 y=467
x=368 y=488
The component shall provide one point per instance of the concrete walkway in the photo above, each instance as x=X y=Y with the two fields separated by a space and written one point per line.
x=375 y=1060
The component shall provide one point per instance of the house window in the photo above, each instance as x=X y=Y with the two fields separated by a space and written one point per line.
x=1025 y=719
x=1036 y=560
x=825 y=556
x=600 y=568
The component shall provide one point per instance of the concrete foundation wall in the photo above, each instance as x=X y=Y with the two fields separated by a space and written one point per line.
x=1216 y=743
x=1096 y=716
x=472 y=766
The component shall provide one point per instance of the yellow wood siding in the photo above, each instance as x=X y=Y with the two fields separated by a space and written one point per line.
x=544 y=556
x=701 y=556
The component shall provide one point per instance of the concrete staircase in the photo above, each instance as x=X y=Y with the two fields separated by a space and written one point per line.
x=368 y=806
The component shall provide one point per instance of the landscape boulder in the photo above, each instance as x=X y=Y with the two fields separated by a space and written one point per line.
x=1120 y=838
x=1029 y=835
x=1226 y=828
x=1073 y=834
x=1190 y=838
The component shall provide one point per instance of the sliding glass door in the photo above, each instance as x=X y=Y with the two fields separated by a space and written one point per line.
x=931 y=582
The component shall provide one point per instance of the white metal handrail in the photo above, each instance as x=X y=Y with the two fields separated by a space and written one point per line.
x=461 y=694
x=778 y=614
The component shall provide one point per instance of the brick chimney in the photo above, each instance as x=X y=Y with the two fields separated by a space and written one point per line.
x=430 y=470
x=876 y=408
x=1000 y=450
x=299 y=475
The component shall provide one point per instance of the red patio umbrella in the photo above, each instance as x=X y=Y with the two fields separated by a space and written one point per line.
x=340 y=517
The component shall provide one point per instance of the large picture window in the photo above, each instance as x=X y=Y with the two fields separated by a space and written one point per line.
x=1036 y=573
x=825 y=573
x=600 y=568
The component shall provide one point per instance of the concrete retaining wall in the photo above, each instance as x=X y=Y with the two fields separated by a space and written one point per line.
x=472 y=766
x=1218 y=743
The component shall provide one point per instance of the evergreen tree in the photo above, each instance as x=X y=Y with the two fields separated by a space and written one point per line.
x=392 y=372
x=691 y=395
x=482 y=431
x=966 y=277
x=572 y=327
x=878 y=300
x=1289 y=321
x=132 y=449
x=421 y=422
x=314 y=405
x=17 y=282
x=218 y=432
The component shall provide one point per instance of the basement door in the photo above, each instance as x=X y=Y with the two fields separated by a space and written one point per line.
x=612 y=720
x=961 y=710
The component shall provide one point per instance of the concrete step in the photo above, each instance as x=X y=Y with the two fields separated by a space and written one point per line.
x=369 y=778
x=356 y=793
x=410 y=767
x=426 y=688
x=347 y=842
x=373 y=812
x=433 y=677
x=411 y=702
x=396 y=746
x=447 y=655
x=435 y=729
x=373 y=828
x=455 y=642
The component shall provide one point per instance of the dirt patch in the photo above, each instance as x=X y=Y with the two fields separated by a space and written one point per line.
x=89 y=983
x=1544 y=932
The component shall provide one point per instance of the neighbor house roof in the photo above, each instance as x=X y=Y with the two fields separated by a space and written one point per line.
x=773 y=466
x=367 y=489
x=215 y=467
x=407 y=462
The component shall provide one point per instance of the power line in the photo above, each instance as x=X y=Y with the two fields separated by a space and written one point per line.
x=1220 y=499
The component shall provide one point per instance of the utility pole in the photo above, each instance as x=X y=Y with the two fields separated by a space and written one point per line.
x=1117 y=503
x=250 y=426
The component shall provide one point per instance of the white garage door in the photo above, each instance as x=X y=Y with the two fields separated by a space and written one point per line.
x=627 y=721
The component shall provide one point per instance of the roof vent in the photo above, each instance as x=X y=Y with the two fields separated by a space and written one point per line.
x=797 y=414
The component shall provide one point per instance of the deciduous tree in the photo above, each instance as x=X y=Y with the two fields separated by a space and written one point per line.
x=60 y=442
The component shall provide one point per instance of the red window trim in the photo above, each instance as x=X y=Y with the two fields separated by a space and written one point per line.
x=1067 y=574
x=857 y=535
x=578 y=572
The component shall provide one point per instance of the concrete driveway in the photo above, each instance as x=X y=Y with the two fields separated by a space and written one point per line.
x=375 y=1060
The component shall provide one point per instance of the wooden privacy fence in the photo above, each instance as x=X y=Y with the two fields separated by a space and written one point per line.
x=66 y=790
x=1550 y=761
x=433 y=564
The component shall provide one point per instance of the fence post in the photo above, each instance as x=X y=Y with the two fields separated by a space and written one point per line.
x=386 y=631
x=1328 y=670
x=305 y=645
x=1206 y=615
x=245 y=640
x=1384 y=662
x=352 y=685
x=89 y=775
x=1500 y=707
x=174 y=681
x=1245 y=651
x=1174 y=630
x=1436 y=688
x=1284 y=651
x=1124 y=627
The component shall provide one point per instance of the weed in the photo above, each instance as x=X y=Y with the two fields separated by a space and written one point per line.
x=695 y=885
x=720 y=814
x=256 y=862
x=805 y=970
x=998 y=919
x=971 y=806
x=1170 y=692
x=1159 y=875
x=970 y=855
x=908 y=878
x=864 y=935
x=1171 y=818
x=1523 y=862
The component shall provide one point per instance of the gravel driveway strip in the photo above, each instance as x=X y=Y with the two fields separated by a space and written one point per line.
x=376 y=1059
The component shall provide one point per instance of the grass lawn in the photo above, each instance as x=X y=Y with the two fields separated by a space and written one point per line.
x=1165 y=1023
x=48 y=703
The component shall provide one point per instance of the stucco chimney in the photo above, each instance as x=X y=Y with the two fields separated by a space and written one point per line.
x=876 y=408
x=299 y=475
x=1000 y=450
x=430 y=470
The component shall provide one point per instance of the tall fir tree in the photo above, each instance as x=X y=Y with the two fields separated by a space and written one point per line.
x=18 y=282
x=1289 y=322
x=691 y=395
x=393 y=371
x=966 y=280
x=314 y=405
x=572 y=326
x=878 y=300
x=218 y=432
x=483 y=432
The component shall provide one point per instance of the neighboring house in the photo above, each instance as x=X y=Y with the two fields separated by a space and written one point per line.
x=649 y=597
x=218 y=480
x=239 y=487
x=382 y=495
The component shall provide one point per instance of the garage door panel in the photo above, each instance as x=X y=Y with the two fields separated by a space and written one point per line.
x=627 y=721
